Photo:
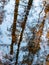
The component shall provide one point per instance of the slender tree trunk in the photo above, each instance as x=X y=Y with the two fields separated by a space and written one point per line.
x=23 y=27
x=14 y=26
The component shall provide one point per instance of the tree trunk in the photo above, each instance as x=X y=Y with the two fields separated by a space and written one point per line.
x=14 y=26
x=23 y=27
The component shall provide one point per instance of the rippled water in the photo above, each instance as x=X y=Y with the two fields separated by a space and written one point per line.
x=5 y=35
